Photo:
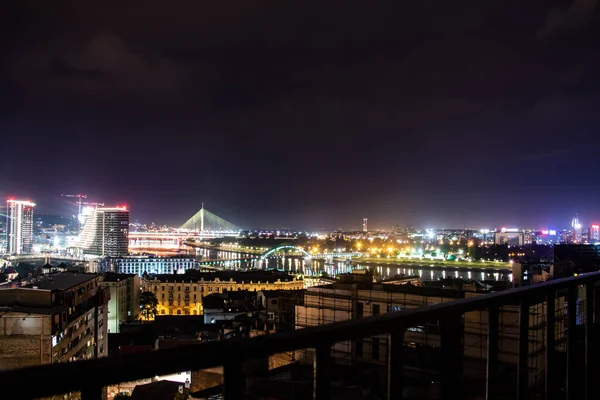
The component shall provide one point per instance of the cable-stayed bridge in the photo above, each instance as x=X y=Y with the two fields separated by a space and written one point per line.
x=202 y=225
x=205 y=221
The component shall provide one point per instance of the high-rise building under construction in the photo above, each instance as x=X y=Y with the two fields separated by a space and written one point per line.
x=106 y=232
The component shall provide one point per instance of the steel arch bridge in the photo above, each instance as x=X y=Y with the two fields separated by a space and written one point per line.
x=267 y=253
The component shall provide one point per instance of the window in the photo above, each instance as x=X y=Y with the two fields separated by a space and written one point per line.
x=376 y=310
x=359 y=347
x=178 y=312
x=163 y=295
x=162 y=312
x=359 y=309
x=375 y=348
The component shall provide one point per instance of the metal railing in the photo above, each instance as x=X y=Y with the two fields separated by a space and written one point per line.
x=91 y=376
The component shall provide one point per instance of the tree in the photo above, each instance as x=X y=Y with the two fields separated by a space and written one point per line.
x=148 y=305
x=122 y=396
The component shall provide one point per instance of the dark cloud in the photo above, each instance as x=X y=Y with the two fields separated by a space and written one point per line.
x=576 y=15
x=301 y=113
x=101 y=67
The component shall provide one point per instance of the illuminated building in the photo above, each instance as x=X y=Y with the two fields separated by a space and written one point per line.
x=105 y=232
x=365 y=225
x=182 y=294
x=547 y=236
x=595 y=233
x=124 y=303
x=53 y=319
x=19 y=226
x=510 y=236
x=140 y=265
x=576 y=225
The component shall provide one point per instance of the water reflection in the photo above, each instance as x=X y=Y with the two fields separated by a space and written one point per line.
x=317 y=267
x=298 y=265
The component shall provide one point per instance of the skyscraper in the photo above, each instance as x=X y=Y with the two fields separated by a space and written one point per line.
x=576 y=225
x=19 y=226
x=106 y=232
x=365 y=225
x=595 y=233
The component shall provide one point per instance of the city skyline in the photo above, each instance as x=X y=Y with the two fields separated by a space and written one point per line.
x=586 y=223
x=296 y=127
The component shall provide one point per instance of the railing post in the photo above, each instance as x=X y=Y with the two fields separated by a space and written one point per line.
x=396 y=364
x=322 y=372
x=523 y=365
x=589 y=342
x=451 y=334
x=551 y=386
x=233 y=380
x=94 y=393
x=571 y=343
x=492 y=353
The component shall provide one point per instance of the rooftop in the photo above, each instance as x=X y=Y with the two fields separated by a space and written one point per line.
x=236 y=276
x=113 y=277
x=280 y=293
x=160 y=390
x=62 y=281
x=236 y=301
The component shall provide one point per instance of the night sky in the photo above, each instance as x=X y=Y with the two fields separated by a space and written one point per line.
x=309 y=115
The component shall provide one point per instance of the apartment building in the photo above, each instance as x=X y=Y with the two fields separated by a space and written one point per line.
x=53 y=318
x=182 y=294
x=358 y=297
x=124 y=304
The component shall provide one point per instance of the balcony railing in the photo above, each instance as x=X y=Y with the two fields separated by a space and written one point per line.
x=91 y=376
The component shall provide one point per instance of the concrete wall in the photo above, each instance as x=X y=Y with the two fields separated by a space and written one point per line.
x=25 y=340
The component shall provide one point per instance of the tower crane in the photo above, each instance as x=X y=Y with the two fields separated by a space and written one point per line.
x=79 y=198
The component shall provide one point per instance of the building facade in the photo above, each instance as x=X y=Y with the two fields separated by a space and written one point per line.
x=53 y=318
x=344 y=301
x=105 y=233
x=19 y=226
x=124 y=304
x=141 y=265
x=182 y=294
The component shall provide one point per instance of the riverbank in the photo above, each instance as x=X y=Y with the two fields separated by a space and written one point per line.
x=435 y=263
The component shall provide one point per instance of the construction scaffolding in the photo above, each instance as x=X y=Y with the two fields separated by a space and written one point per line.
x=342 y=301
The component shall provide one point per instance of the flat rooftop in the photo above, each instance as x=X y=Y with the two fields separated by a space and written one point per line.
x=63 y=281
